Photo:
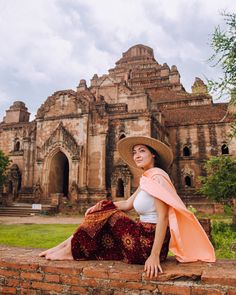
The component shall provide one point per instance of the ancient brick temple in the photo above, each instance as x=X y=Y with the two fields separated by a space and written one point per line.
x=69 y=150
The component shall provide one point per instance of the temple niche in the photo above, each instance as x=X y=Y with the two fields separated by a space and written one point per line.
x=68 y=153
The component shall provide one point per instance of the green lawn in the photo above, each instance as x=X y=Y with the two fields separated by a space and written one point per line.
x=35 y=235
x=224 y=239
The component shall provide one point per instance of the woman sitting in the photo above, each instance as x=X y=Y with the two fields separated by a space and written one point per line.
x=107 y=233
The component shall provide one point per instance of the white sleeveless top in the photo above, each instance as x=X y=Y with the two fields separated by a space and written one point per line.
x=144 y=205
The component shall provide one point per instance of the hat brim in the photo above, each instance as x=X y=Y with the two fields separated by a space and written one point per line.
x=125 y=149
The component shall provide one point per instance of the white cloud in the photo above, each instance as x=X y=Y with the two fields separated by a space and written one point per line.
x=51 y=45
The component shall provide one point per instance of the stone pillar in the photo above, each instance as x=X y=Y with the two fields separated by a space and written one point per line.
x=27 y=163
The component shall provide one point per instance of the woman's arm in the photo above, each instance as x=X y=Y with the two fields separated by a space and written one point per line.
x=152 y=264
x=121 y=205
x=127 y=204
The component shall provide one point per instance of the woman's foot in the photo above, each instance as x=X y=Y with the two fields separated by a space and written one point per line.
x=56 y=248
x=49 y=251
x=62 y=254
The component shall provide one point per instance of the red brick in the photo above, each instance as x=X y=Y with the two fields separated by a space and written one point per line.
x=224 y=277
x=122 y=284
x=9 y=273
x=25 y=284
x=130 y=275
x=7 y=290
x=28 y=292
x=12 y=282
x=149 y=287
x=90 y=282
x=134 y=285
x=131 y=285
x=19 y=266
x=96 y=272
x=52 y=278
x=175 y=290
x=232 y=292
x=78 y=290
x=6 y=264
x=47 y=286
x=70 y=280
x=119 y=292
x=31 y=276
x=61 y=270
x=29 y=267
x=205 y=291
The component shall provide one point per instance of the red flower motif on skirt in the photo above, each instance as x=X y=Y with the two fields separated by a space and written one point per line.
x=107 y=241
x=128 y=241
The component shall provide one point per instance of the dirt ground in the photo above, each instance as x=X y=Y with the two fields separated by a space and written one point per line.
x=58 y=219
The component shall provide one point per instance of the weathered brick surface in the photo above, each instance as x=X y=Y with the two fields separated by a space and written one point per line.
x=23 y=272
x=174 y=289
x=206 y=291
x=227 y=276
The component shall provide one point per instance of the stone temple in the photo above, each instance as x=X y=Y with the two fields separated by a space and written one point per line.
x=69 y=151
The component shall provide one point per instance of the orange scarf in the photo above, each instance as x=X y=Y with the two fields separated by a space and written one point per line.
x=188 y=242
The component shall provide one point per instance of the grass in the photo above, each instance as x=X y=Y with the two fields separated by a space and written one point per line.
x=35 y=235
x=224 y=240
x=49 y=235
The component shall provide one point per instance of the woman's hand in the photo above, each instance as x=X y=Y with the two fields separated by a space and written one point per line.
x=152 y=266
x=94 y=208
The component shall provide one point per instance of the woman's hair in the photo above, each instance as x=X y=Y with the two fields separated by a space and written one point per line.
x=157 y=162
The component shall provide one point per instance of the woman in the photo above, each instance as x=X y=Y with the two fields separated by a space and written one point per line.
x=108 y=233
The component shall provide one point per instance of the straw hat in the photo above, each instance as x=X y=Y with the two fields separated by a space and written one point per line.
x=125 y=149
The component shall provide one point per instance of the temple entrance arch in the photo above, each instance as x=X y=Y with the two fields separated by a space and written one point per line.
x=59 y=174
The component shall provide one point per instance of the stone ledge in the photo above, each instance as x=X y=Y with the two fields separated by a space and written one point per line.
x=23 y=272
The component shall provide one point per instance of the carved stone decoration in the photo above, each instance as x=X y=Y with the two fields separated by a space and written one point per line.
x=74 y=191
x=60 y=138
x=121 y=172
x=187 y=171
x=38 y=192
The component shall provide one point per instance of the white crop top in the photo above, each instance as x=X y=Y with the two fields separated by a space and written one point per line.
x=144 y=205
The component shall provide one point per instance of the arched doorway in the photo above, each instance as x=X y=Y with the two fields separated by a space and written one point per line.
x=120 y=188
x=188 y=181
x=59 y=174
x=224 y=150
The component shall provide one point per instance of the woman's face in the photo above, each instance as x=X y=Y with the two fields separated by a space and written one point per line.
x=143 y=158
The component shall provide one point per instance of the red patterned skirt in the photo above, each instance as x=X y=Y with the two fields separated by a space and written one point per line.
x=109 y=234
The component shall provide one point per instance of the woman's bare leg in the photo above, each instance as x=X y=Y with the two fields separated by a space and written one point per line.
x=56 y=248
x=63 y=253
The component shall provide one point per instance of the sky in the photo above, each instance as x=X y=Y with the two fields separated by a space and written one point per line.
x=50 y=45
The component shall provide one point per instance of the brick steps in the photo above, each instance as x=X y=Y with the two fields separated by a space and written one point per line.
x=23 y=272
x=23 y=210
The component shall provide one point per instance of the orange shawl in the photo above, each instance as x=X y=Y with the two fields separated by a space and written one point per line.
x=188 y=242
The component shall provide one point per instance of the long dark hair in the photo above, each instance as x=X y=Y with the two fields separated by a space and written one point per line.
x=157 y=160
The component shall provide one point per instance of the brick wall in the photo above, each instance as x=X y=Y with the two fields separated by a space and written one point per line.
x=22 y=272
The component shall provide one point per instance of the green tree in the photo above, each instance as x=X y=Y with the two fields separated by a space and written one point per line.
x=4 y=162
x=223 y=43
x=220 y=182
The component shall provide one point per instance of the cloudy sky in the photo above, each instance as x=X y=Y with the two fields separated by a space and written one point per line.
x=49 y=45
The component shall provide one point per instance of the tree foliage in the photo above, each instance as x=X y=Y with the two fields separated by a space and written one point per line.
x=223 y=43
x=4 y=162
x=220 y=182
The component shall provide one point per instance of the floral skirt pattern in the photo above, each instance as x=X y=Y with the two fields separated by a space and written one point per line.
x=109 y=234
